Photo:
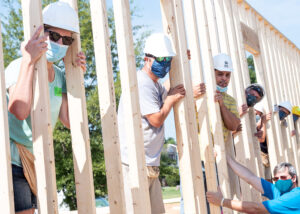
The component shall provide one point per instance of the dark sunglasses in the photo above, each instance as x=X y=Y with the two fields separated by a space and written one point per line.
x=160 y=59
x=54 y=36
x=281 y=178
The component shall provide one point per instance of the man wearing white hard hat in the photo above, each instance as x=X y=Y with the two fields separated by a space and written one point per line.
x=261 y=126
x=156 y=102
x=60 y=22
x=155 y=105
x=230 y=115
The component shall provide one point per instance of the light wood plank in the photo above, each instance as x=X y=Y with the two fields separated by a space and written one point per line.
x=41 y=129
x=107 y=101
x=138 y=176
x=6 y=186
x=204 y=135
x=79 y=127
x=207 y=27
x=184 y=112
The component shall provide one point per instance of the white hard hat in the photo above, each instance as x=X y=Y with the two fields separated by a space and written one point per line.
x=287 y=105
x=159 y=45
x=259 y=107
x=61 y=15
x=222 y=62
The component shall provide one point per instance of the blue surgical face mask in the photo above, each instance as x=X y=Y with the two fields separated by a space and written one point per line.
x=257 y=118
x=295 y=117
x=160 y=69
x=284 y=185
x=221 y=89
x=55 y=51
x=251 y=100
x=282 y=115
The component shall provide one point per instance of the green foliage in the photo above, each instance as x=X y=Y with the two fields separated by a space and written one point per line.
x=13 y=35
x=168 y=167
x=251 y=69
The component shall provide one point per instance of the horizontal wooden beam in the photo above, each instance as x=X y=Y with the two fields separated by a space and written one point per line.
x=250 y=39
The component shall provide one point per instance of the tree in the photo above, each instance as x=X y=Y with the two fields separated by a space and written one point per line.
x=13 y=35
x=251 y=69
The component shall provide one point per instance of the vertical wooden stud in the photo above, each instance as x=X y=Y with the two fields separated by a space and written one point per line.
x=138 y=176
x=107 y=101
x=6 y=186
x=41 y=129
x=79 y=127
x=184 y=112
x=204 y=135
x=206 y=27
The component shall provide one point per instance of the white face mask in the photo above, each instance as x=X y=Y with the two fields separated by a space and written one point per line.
x=55 y=51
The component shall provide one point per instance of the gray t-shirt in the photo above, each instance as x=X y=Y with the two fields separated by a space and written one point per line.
x=152 y=95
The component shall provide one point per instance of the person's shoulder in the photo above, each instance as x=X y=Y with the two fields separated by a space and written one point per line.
x=12 y=72
x=144 y=80
x=228 y=98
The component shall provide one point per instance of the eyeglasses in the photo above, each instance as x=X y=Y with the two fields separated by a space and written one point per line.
x=54 y=36
x=281 y=178
x=160 y=59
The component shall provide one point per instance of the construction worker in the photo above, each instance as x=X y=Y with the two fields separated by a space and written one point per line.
x=230 y=116
x=60 y=22
x=261 y=126
x=156 y=103
x=284 y=109
x=296 y=115
x=254 y=94
x=284 y=194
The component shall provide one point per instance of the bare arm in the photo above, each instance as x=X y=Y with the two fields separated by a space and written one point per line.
x=20 y=95
x=245 y=206
x=174 y=95
x=245 y=174
x=64 y=112
x=240 y=206
x=231 y=122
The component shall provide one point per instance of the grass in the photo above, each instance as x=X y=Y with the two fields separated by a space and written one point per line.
x=170 y=192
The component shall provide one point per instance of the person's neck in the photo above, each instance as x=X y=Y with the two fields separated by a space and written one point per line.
x=51 y=73
x=150 y=74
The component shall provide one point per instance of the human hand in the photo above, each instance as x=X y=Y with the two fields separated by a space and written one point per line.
x=199 y=90
x=243 y=110
x=33 y=49
x=215 y=197
x=188 y=52
x=268 y=116
x=219 y=98
x=81 y=61
x=176 y=93
x=293 y=133
x=259 y=134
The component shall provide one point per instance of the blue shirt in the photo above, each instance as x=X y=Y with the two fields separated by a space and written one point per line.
x=287 y=203
x=20 y=130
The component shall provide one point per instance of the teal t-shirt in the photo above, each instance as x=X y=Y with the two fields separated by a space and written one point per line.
x=287 y=203
x=20 y=130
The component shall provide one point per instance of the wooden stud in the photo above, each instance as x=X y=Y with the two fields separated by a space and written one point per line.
x=79 y=127
x=204 y=13
x=205 y=138
x=41 y=129
x=137 y=172
x=241 y=76
x=184 y=112
x=6 y=186
x=107 y=101
x=262 y=67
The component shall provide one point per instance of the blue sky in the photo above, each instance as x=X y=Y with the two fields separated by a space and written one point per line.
x=283 y=14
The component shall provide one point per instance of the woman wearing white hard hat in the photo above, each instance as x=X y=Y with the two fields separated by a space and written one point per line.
x=60 y=22
x=284 y=110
